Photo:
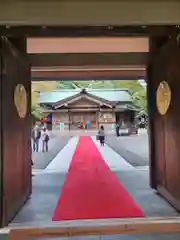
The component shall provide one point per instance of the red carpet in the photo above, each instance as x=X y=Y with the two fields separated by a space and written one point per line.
x=92 y=190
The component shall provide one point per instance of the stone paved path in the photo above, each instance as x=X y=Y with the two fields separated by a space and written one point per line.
x=47 y=187
x=134 y=149
x=48 y=184
x=56 y=144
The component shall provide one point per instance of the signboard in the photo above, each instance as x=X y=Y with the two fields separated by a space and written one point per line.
x=46 y=118
x=107 y=115
x=56 y=122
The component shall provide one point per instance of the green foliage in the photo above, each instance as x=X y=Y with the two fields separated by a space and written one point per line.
x=102 y=84
x=35 y=112
x=65 y=85
x=140 y=99
x=132 y=85
x=136 y=89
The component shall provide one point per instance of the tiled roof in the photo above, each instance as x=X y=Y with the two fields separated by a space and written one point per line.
x=114 y=95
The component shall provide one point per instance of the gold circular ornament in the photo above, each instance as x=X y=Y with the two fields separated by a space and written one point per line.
x=163 y=97
x=20 y=100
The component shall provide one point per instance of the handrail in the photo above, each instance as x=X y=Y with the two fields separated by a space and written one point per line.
x=94 y=227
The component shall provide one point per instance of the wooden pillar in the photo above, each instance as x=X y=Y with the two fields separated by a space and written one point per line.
x=20 y=43
x=99 y=112
x=97 y=120
x=1 y=138
x=164 y=73
x=69 y=120
x=155 y=43
x=15 y=127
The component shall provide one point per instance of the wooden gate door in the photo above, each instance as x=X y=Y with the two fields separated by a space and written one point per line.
x=165 y=73
x=15 y=126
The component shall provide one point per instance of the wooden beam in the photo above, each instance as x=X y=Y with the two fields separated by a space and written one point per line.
x=84 y=110
x=85 y=59
x=31 y=30
x=84 y=106
x=88 y=45
x=82 y=13
x=87 y=96
x=98 y=227
x=89 y=74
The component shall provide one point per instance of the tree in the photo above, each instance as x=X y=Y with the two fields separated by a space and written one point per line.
x=132 y=85
x=137 y=91
x=35 y=112
x=66 y=85
x=140 y=99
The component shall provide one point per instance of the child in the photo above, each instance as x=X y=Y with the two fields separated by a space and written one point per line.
x=101 y=135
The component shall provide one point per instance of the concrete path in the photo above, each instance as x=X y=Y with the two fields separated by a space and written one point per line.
x=63 y=159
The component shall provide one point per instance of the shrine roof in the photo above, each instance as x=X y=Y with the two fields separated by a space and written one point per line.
x=112 y=95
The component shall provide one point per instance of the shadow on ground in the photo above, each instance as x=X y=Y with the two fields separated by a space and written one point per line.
x=134 y=149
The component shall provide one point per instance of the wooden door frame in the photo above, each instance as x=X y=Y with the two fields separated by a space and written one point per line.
x=15 y=50
x=1 y=137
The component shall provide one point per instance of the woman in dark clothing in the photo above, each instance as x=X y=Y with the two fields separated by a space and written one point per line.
x=101 y=135
x=117 y=130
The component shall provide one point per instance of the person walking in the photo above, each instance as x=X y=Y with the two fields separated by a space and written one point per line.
x=101 y=135
x=117 y=130
x=45 y=140
x=88 y=124
x=36 y=135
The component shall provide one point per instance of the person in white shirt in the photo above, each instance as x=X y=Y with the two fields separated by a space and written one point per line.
x=36 y=135
x=45 y=140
